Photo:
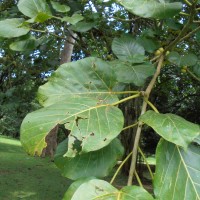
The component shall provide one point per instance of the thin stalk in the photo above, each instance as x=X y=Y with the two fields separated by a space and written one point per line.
x=145 y=160
x=139 y=129
x=127 y=127
x=126 y=99
x=151 y=105
x=138 y=179
x=119 y=168
x=193 y=75
x=188 y=3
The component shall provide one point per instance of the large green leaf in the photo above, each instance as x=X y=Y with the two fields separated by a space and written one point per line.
x=87 y=77
x=97 y=163
x=32 y=8
x=152 y=8
x=59 y=7
x=133 y=73
x=92 y=125
x=12 y=28
x=172 y=127
x=25 y=45
x=177 y=172
x=101 y=190
x=127 y=49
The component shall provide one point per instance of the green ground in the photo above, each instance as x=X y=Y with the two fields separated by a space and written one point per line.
x=25 y=177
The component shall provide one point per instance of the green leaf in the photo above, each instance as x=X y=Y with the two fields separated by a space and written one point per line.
x=177 y=172
x=99 y=189
x=74 y=186
x=133 y=73
x=87 y=77
x=174 y=58
x=75 y=18
x=59 y=7
x=196 y=69
x=89 y=120
x=32 y=8
x=127 y=49
x=97 y=163
x=150 y=45
x=83 y=26
x=152 y=8
x=25 y=45
x=171 y=127
x=12 y=28
x=40 y=17
x=189 y=59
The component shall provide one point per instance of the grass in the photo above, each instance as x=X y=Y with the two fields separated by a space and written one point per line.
x=28 y=178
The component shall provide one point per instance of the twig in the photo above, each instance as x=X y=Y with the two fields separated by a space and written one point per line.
x=145 y=160
x=193 y=75
x=119 y=168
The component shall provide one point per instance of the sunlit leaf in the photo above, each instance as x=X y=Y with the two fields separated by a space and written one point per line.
x=97 y=163
x=133 y=73
x=89 y=120
x=31 y=8
x=86 y=77
x=172 y=127
x=152 y=8
x=12 y=28
x=59 y=7
x=177 y=172
x=74 y=186
x=102 y=190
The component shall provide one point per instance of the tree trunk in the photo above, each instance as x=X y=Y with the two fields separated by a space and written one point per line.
x=67 y=51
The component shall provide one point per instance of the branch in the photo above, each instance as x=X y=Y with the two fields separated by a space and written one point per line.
x=139 y=129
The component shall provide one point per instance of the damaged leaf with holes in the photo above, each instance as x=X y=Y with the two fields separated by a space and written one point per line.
x=90 y=123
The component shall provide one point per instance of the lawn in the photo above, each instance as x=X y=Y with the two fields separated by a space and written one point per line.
x=25 y=177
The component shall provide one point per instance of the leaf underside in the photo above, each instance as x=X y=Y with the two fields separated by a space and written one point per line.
x=177 y=172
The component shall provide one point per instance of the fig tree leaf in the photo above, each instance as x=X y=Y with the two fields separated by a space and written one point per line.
x=25 y=45
x=174 y=58
x=150 y=45
x=87 y=77
x=40 y=17
x=133 y=73
x=196 y=69
x=177 y=172
x=31 y=8
x=89 y=120
x=127 y=49
x=75 y=18
x=74 y=186
x=171 y=127
x=10 y=28
x=59 y=7
x=189 y=59
x=82 y=26
x=102 y=190
x=152 y=8
x=97 y=163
